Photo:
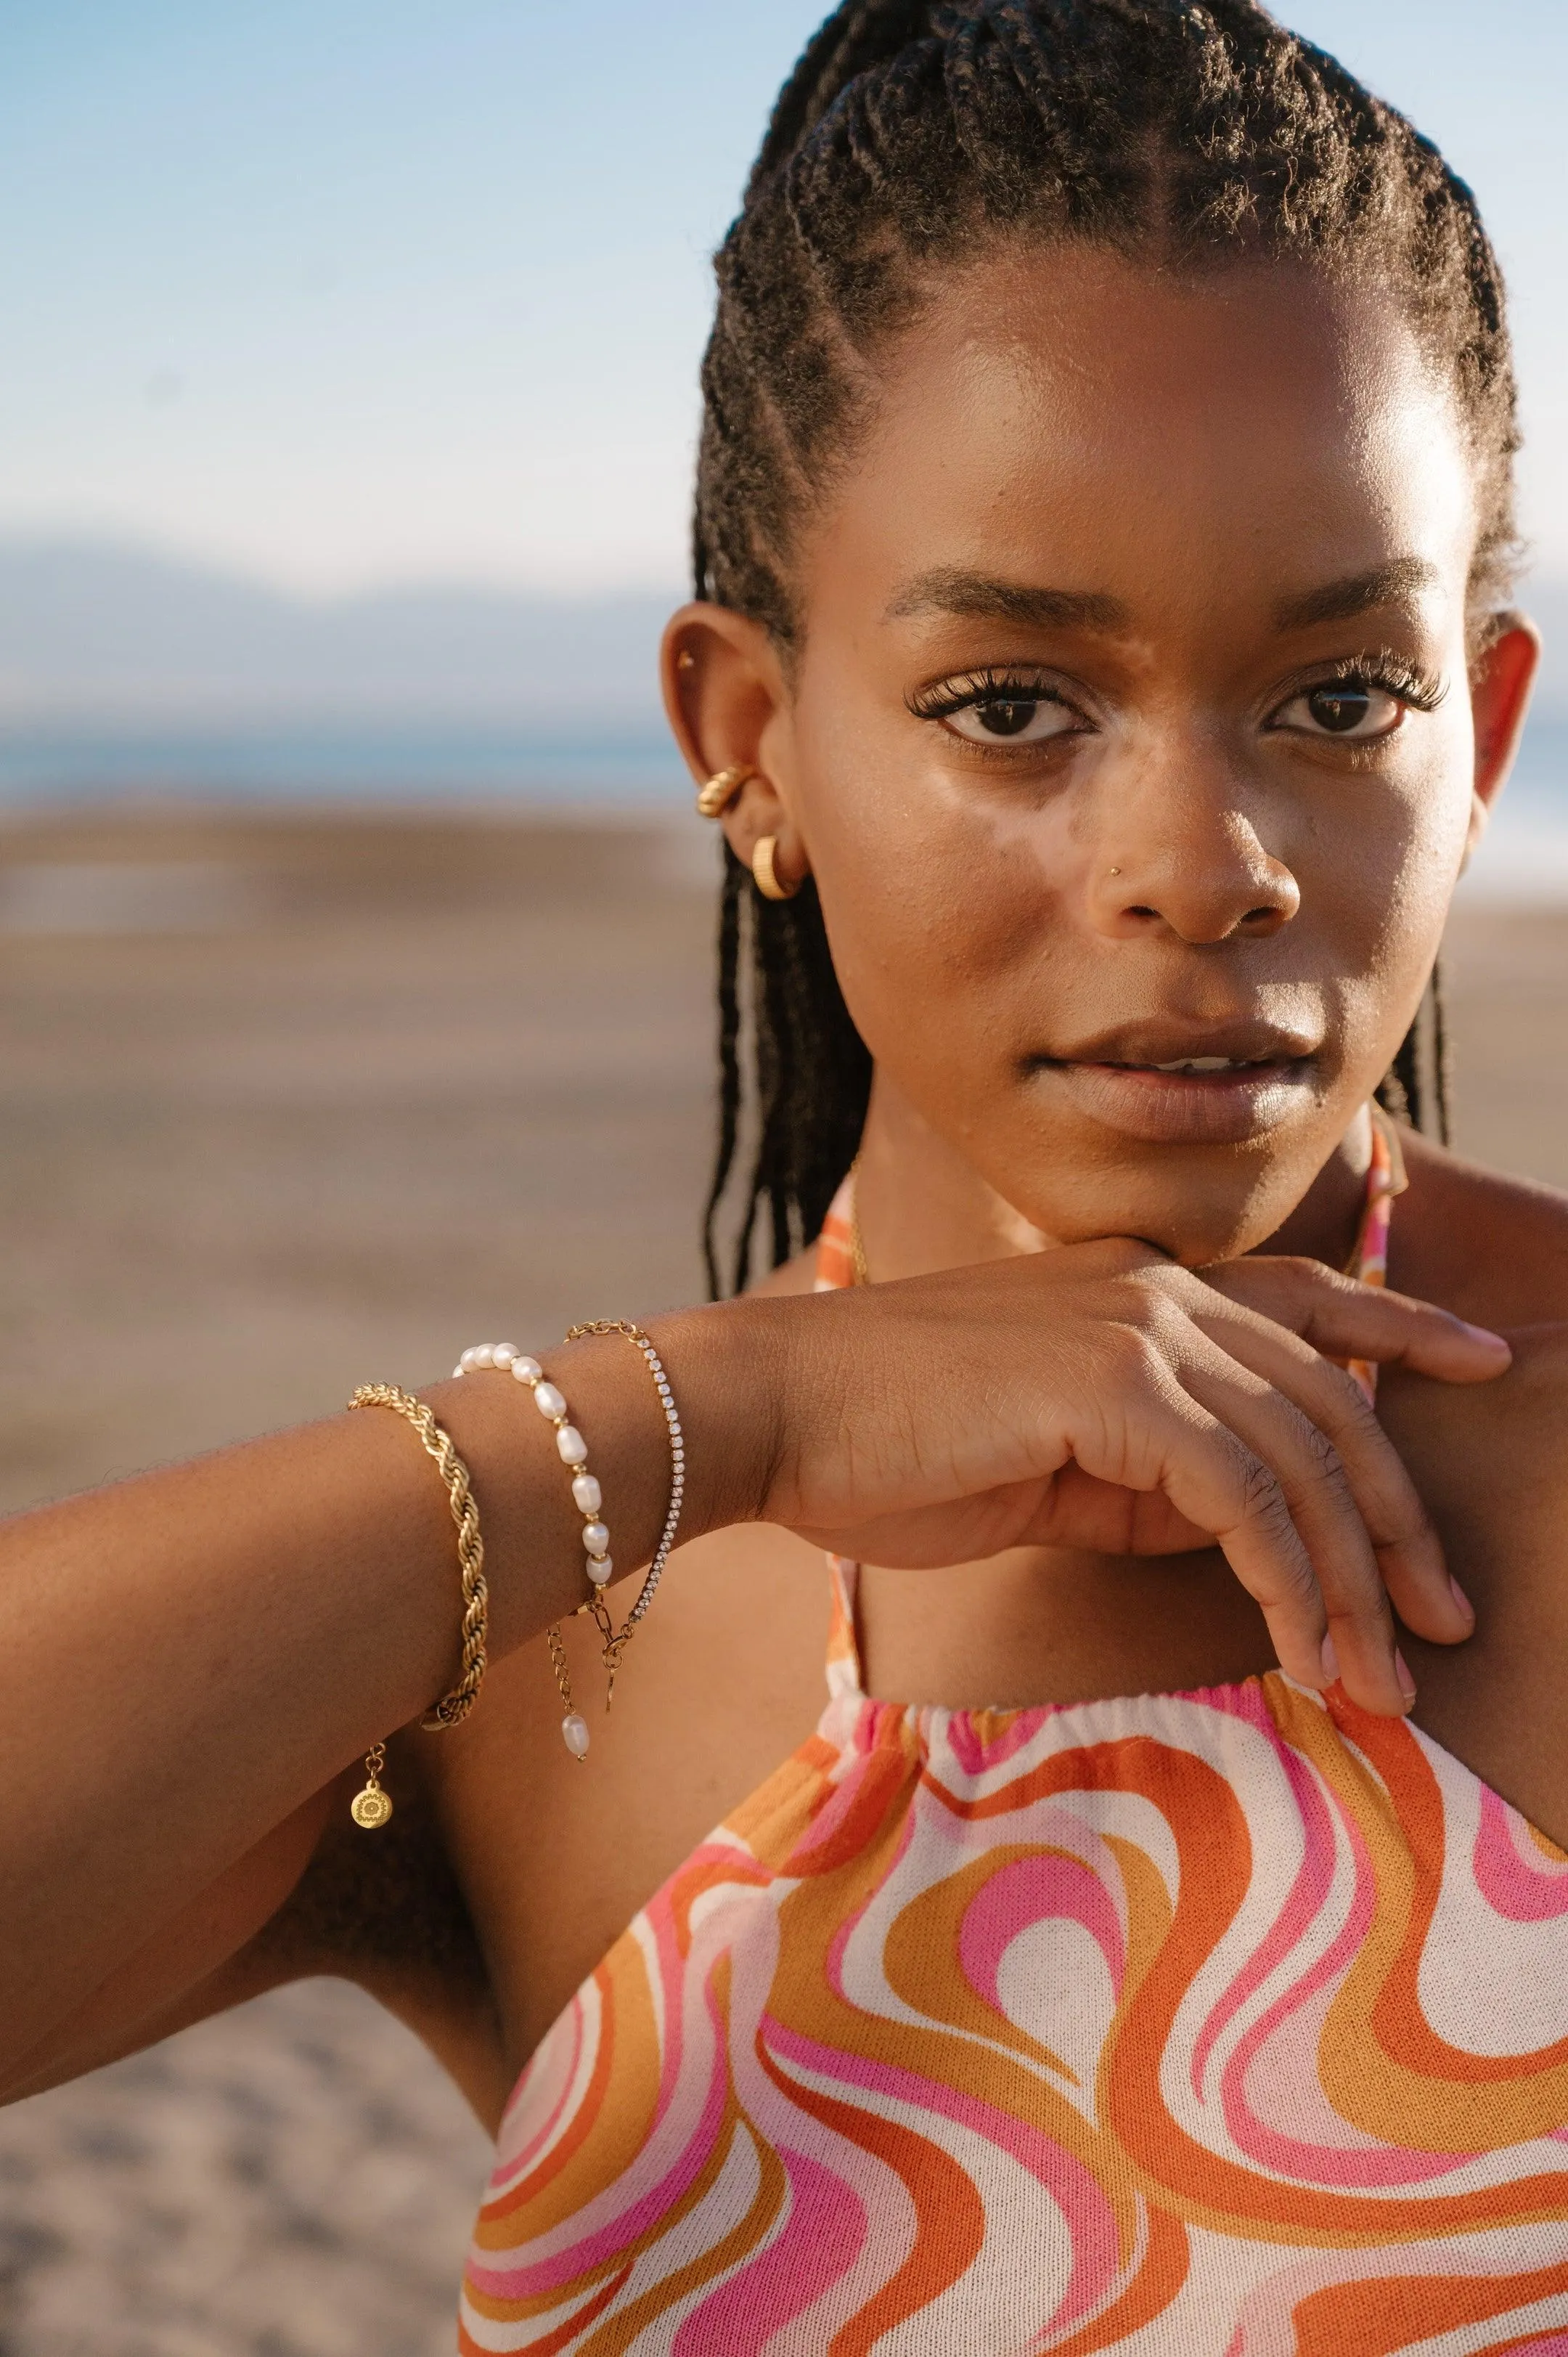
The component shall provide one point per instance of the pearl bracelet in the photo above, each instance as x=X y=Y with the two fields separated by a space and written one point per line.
x=588 y=1499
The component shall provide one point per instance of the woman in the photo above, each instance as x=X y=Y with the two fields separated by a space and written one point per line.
x=1100 y=670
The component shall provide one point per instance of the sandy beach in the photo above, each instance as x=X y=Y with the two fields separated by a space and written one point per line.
x=291 y=1103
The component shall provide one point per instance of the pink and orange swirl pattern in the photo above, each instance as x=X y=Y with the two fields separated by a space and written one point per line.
x=1233 y=2021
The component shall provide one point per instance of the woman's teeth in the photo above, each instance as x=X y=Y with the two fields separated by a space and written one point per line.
x=1209 y=1064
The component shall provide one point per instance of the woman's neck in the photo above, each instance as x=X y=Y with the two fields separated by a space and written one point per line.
x=921 y=1207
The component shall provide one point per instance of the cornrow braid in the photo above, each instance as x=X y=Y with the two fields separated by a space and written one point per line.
x=911 y=132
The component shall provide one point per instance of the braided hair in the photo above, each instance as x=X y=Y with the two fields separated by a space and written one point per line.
x=911 y=133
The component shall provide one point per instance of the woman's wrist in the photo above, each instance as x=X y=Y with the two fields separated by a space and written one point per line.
x=728 y=1363
x=729 y=1367
x=721 y=1364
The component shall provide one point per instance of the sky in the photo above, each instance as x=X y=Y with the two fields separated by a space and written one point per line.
x=342 y=293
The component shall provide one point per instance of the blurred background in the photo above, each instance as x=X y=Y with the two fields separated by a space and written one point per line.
x=354 y=934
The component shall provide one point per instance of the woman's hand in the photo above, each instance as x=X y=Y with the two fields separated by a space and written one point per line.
x=1101 y=1397
x=188 y=1660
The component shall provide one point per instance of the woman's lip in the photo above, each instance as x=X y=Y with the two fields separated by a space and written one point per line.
x=1204 y=1108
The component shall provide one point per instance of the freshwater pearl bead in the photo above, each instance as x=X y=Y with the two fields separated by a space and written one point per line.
x=588 y=1498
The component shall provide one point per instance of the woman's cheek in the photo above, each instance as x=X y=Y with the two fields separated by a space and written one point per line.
x=927 y=926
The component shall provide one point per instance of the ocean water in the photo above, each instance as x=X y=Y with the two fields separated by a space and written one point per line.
x=407 y=763
x=1523 y=858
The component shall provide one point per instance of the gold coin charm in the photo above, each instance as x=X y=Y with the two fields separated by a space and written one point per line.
x=373 y=1807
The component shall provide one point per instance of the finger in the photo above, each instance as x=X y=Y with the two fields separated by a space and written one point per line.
x=1317 y=1494
x=1155 y=1435
x=1345 y=1319
x=1408 y=1550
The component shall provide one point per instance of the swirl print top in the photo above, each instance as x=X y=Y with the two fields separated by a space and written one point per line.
x=1233 y=2021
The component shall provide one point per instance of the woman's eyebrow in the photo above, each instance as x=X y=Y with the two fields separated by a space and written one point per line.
x=985 y=598
x=1400 y=582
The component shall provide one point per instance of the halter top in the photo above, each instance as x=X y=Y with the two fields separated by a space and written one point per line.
x=1231 y=2023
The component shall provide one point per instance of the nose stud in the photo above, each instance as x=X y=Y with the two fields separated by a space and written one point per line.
x=1116 y=871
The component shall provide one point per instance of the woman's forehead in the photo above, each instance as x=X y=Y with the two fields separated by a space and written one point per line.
x=1072 y=420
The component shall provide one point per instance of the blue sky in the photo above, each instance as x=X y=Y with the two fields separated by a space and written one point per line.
x=341 y=293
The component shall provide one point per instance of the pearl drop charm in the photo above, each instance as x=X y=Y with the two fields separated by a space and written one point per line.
x=588 y=1498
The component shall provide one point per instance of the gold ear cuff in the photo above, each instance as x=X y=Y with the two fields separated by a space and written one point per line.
x=715 y=797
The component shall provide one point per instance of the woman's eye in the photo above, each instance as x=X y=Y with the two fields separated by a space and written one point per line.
x=1017 y=720
x=1352 y=708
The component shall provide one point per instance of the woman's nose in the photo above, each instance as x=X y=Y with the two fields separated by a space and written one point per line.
x=1206 y=882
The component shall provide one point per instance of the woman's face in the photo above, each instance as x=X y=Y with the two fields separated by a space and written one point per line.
x=1130 y=729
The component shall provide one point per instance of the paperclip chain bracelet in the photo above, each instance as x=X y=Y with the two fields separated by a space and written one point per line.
x=588 y=1498
x=373 y=1807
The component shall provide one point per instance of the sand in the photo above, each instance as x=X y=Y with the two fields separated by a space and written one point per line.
x=290 y=1103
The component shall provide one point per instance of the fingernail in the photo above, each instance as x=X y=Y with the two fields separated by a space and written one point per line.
x=1401 y=1670
x=1484 y=1334
x=1460 y=1599
x=1330 y=1661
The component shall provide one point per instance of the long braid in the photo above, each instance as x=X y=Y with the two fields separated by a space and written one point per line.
x=1441 y=1077
x=798 y=1028
x=1400 y=1092
x=909 y=131
x=730 y=905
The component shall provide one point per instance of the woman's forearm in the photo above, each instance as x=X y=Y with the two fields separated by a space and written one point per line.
x=187 y=1657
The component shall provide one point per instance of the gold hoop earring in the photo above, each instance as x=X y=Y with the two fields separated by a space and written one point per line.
x=765 y=872
x=715 y=797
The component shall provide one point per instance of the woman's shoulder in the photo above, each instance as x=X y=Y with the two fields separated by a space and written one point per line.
x=797 y=1275
x=1487 y=1245
x=1494 y=1249
x=1491 y=1464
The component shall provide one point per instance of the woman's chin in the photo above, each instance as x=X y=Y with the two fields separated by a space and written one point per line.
x=1202 y=1176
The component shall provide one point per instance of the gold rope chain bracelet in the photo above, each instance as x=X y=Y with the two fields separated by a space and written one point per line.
x=373 y=1807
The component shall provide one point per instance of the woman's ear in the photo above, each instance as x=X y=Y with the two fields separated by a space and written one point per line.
x=727 y=701
x=1500 y=681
